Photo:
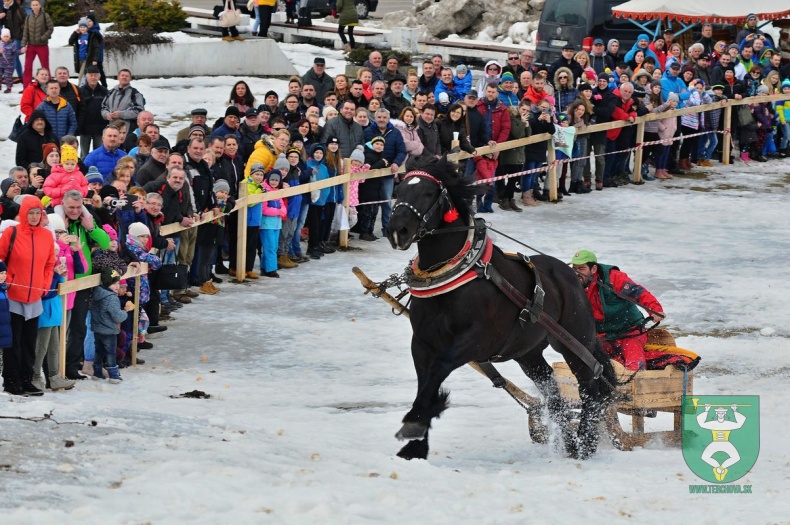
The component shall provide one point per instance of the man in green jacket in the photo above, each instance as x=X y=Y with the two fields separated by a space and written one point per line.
x=84 y=231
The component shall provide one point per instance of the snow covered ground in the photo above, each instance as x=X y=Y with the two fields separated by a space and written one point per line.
x=309 y=380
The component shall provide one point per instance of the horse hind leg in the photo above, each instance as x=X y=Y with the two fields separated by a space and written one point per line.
x=415 y=449
x=417 y=422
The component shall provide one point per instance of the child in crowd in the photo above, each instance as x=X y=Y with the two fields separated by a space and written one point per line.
x=294 y=204
x=579 y=118
x=370 y=189
x=666 y=130
x=564 y=135
x=357 y=161
x=211 y=236
x=79 y=39
x=64 y=177
x=316 y=214
x=109 y=258
x=274 y=212
x=462 y=80
x=8 y=54
x=94 y=178
x=106 y=314
x=707 y=143
x=254 y=187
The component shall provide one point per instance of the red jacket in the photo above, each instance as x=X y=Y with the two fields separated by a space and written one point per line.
x=622 y=111
x=32 y=96
x=500 y=120
x=535 y=96
x=620 y=283
x=32 y=258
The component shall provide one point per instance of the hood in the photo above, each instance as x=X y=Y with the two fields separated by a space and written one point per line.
x=489 y=63
x=28 y=203
x=642 y=36
x=266 y=142
x=37 y=113
x=567 y=71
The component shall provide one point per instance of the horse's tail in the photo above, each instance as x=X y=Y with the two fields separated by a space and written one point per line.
x=608 y=381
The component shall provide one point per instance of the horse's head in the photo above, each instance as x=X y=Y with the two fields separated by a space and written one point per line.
x=422 y=201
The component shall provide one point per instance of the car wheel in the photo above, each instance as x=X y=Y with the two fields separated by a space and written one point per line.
x=362 y=10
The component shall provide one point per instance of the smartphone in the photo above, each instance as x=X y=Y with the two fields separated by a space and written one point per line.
x=130 y=199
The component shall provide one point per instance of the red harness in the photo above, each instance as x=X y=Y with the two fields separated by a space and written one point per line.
x=434 y=289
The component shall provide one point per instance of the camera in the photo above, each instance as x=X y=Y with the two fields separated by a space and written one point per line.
x=545 y=111
x=117 y=203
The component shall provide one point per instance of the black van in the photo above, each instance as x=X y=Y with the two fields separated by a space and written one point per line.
x=580 y=22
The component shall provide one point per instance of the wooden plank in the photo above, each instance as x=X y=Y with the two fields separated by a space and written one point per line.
x=64 y=331
x=727 y=145
x=92 y=281
x=241 y=235
x=640 y=137
x=551 y=179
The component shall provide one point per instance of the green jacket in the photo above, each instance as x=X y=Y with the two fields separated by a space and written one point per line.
x=620 y=316
x=347 y=13
x=96 y=236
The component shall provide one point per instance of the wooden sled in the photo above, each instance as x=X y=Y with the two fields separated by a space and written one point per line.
x=648 y=391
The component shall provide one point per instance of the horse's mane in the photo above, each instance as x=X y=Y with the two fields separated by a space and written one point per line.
x=459 y=187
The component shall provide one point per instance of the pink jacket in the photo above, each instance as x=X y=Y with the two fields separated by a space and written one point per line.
x=64 y=250
x=60 y=181
x=275 y=207
x=353 y=186
x=414 y=146
x=667 y=128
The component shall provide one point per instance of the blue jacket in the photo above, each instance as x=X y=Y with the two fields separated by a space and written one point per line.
x=463 y=85
x=61 y=116
x=225 y=130
x=648 y=52
x=6 y=336
x=508 y=98
x=104 y=160
x=321 y=172
x=673 y=84
x=294 y=201
x=52 y=304
x=106 y=312
x=452 y=94
x=335 y=192
x=394 y=147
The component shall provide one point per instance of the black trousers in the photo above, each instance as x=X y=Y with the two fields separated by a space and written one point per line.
x=265 y=12
x=152 y=306
x=231 y=232
x=18 y=359
x=253 y=239
x=75 y=344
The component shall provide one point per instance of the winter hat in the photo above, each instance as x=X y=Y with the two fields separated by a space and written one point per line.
x=68 y=153
x=296 y=136
x=461 y=69
x=762 y=89
x=257 y=167
x=6 y=185
x=3 y=267
x=83 y=22
x=5 y=32
x=377 y=138
x=111 y=231
x=673 y=96
x=108 y=191
x=196 y=128
x=269 y=93
x=655 y=83
x=94 y=175
x=316 y=147
x=298 y=151
x=110 y=276
x=751 y=15
x=281 y=163
x=358 y=155
x=785 y=84
x=687 y=69
x=327 y=110
x=232 y=111
x=92 y=17
x=720 y=86
x=49 y=148
x=221 y=185
x=584 y=86
x=444 y=98
x=507 y=76
x=590 y=75
x=56 y=222
x=273 y=175
x=136 y=229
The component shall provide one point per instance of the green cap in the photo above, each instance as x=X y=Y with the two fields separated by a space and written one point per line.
x=584 y=257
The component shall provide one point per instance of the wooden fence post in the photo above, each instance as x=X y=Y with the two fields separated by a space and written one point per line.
x=727 y=146
x=342 y=240
x=241 y=234
x=64 y=331
x=551 y=175
x=136 y=317
x=640 y=137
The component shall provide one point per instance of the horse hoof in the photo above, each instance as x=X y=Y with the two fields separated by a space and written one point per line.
x=412 y=430
x=417 y=449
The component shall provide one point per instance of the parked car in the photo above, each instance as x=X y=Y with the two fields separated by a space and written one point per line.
x=580 y=22
x=324 y=7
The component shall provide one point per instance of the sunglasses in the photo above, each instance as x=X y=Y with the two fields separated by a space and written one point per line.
x=565 y=77
x=493 y=68
x=512 y=58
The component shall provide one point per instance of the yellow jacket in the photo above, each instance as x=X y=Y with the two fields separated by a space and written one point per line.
x=265 y=153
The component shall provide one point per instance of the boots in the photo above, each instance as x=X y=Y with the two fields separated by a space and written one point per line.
x=115 y=374
x=756 y=154
x=98 y=372
x=58 y=383
x=207 y=288
x=513 y=206
x=745 y=156
x=504 y=204
x=528 y=199
x=283 y=261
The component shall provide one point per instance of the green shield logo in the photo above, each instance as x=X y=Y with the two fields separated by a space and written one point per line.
x=721 y=436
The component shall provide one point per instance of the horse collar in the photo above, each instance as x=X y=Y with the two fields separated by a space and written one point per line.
x=457 y=271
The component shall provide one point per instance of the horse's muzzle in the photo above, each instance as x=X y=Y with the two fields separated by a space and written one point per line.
x=400 y=239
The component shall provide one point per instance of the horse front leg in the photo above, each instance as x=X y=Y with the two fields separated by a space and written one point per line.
x=430 y=402
x=593 y=406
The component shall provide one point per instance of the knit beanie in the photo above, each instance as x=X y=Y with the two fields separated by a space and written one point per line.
x=6 y=185
x=273 y=175
x=221 y=185
x=786 y=83
x=83 y=22
x=358 y=154
x=5 y=32
x=108 y=191
x=68 y=153
x=506 y=77
x=3 y=267
x=110 y=276
x=196 y=127
x=56 y=222
x=257 y=167
x=49 y=148
x=111 y=232
x=136 y=229
x=94 y=175
x=673 y=96
x=584 y=86
x=762 y=89
x=655 y=83
x=281 y=163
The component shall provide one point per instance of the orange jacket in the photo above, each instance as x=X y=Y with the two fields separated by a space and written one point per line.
x=32 y=96
x=32 y=260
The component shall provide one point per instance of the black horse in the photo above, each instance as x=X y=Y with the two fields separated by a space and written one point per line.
x=478 y=322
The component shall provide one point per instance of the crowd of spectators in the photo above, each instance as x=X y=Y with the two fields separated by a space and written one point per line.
x=94 y=170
